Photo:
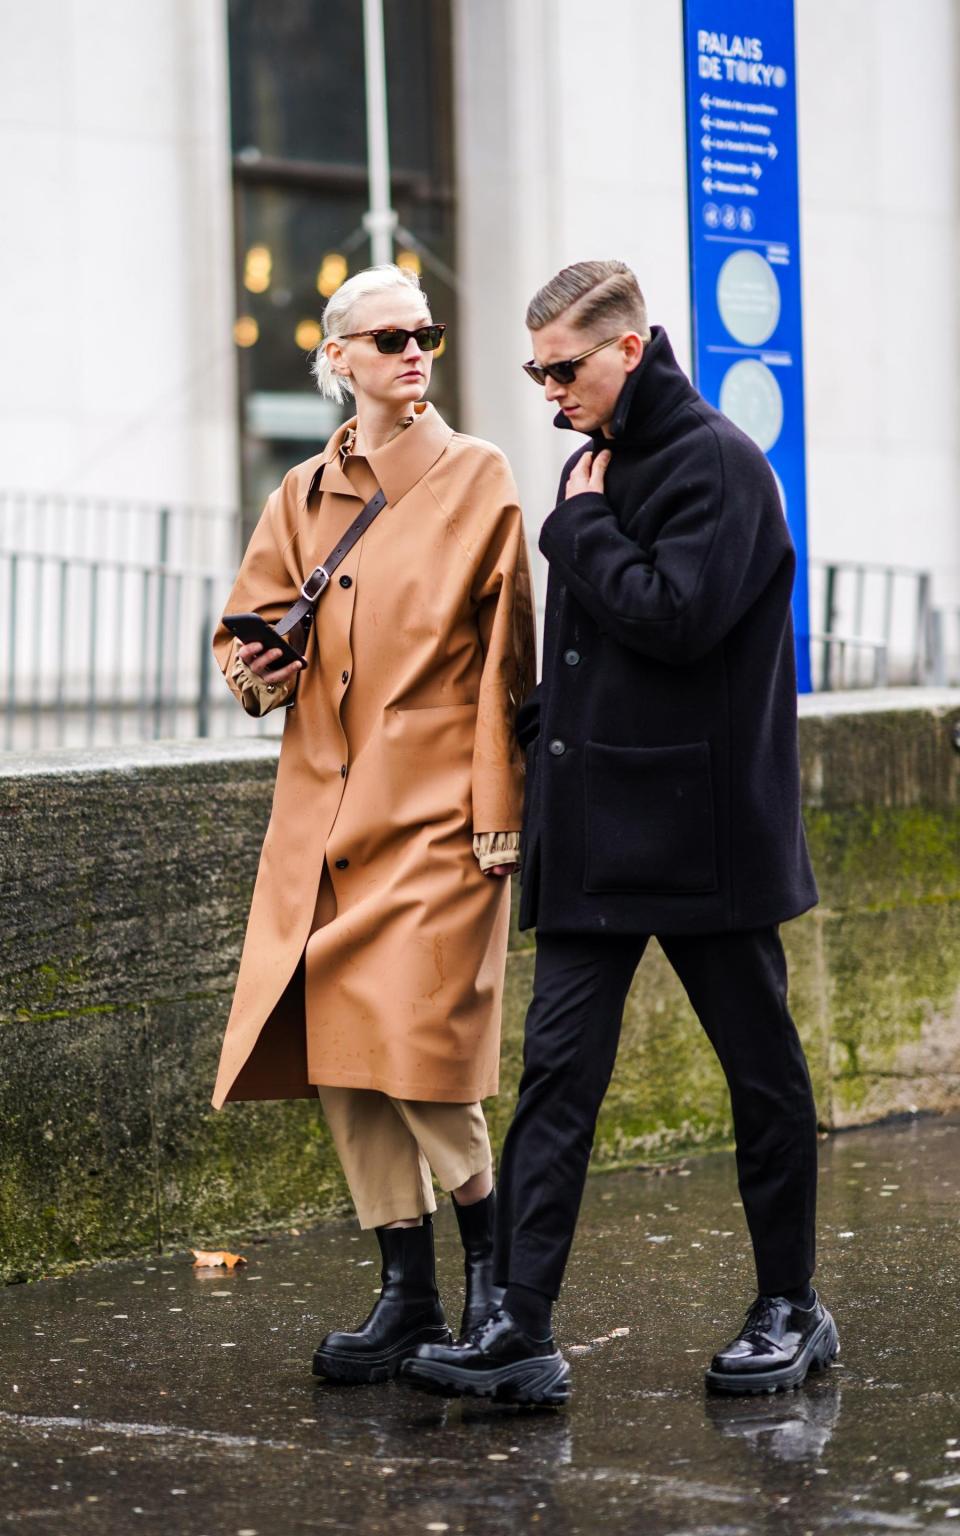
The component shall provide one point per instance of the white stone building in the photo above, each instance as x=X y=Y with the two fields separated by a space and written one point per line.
x=147 y=149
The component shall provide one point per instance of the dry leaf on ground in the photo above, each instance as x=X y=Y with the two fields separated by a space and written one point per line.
x=203 y=1260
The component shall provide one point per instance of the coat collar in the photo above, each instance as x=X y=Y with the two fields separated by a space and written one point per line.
x=652 y=394
x=398 y=466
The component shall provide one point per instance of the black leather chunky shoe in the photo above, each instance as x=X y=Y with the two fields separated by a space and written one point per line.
x=498 y=1360
x=476 y=1223
x=776 y=1347
x=407 y=1312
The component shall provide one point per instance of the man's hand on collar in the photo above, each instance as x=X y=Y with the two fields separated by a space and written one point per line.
x=588 y=474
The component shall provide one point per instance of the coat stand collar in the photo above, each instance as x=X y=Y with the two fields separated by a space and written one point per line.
x=398 y=466
x=652 y=393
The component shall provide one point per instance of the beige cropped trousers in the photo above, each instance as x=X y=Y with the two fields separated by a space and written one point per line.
x=390 y=1149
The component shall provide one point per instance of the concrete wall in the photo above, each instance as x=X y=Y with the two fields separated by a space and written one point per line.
x=124 y=885
x=116 y=261
x=880 y=207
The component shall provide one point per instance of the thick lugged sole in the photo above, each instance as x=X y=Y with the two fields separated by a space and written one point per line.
x=360 y=1367
x=543 y=1380
x=821 y=1348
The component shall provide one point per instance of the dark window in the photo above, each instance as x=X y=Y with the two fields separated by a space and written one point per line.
x=299 y=155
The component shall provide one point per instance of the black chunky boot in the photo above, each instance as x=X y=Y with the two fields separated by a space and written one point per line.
x=407 y=1312
x=476 y=1223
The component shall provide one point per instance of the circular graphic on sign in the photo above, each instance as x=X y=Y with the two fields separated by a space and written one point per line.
x=748 y=298
x=750 y=396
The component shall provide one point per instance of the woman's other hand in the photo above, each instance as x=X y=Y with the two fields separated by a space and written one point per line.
x=262 y=665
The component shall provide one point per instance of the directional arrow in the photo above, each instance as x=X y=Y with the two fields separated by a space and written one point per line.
x=706 y=101
x=730 y=125
x=756 y=171
x=738 y=148
x=733 y=188
x=729 y=167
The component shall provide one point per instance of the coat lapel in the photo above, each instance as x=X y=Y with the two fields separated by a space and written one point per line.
x=334 y=478
x=398 y=466
x=326 y=465
x=402 y=463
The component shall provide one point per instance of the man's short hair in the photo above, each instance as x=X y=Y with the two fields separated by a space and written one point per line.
x=591 y=293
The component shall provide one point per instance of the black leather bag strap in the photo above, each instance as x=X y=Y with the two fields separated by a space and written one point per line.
x=319 y=578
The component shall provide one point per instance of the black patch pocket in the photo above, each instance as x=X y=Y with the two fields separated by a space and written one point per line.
x=649 y=815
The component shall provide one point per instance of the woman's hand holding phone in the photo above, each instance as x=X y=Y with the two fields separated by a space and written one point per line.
x=264 y=664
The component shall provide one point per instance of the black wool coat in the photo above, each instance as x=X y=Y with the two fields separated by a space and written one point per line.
x=663 y=784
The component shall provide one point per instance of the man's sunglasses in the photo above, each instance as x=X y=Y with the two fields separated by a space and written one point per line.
x=564 y=372
x=392 y=341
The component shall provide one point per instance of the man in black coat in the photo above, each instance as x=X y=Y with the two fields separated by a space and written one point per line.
x=663 y=797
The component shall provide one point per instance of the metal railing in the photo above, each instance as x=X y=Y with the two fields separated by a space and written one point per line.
x=98 y=649
x=945 y=646
x=874 y=625
x=184 y=536
x=103 y=650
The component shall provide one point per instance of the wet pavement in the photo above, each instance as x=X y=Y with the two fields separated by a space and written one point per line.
x=150 y=1397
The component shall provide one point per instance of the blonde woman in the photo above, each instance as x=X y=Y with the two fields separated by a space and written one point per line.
x=372 y=970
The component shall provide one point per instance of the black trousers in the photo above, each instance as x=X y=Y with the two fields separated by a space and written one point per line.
x=737 y=984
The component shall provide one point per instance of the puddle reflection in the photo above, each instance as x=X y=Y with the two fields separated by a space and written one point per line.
x=793 y=1427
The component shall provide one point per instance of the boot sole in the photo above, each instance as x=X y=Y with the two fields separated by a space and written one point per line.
x=376 y=1367
x=544 y=1380
x=821 y=1348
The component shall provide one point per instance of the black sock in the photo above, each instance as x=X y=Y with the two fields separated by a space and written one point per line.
x=804 y=1296
x=529 y=1309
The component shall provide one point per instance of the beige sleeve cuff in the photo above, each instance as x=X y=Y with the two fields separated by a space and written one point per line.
x=493 y=848
x=256 y=696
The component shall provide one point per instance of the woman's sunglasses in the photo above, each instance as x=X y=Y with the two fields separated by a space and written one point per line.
x=564 y=372
x=392 y=341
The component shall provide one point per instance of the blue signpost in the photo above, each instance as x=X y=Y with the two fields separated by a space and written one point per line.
x=745 y=242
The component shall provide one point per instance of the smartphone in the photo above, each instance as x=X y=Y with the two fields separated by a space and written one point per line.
x=249 y=627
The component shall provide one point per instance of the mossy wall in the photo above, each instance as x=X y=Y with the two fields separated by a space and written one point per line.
x=124 y=883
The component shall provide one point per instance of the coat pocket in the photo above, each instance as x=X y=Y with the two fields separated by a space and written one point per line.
x=650 y=819
x=428 y=763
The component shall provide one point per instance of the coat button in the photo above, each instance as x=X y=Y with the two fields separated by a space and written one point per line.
x=572 y=658
x=344 y=677
x=343 y=770
x=557 y=748
x=346 y=581
x=342 y=863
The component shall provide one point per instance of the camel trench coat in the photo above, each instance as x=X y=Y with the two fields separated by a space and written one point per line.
x=398 y=746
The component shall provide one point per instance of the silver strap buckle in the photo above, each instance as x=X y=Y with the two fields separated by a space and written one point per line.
x=316 y=582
